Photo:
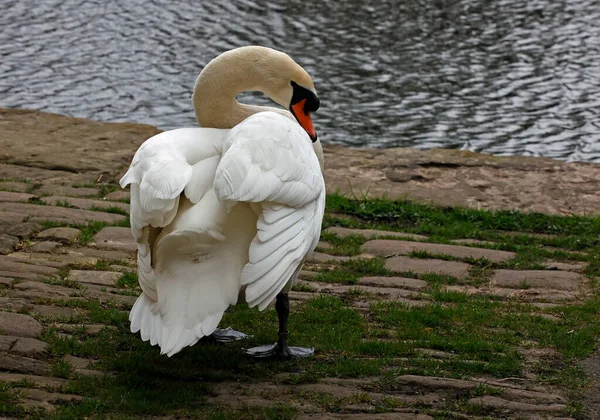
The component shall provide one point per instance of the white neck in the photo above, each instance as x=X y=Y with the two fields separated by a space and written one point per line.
x=241 y=70
x=219 y=84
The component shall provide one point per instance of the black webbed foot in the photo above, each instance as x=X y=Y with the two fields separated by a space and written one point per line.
x=281 y=350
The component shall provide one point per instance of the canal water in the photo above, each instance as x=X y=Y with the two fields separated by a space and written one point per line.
x=508 y=77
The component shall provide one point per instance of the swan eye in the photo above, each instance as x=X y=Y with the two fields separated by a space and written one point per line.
x=300 y=93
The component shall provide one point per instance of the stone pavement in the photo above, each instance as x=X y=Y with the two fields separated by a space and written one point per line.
x=444 y=177
x=42 y=265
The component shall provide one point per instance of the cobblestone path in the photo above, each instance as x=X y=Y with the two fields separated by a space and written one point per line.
x=45 y=267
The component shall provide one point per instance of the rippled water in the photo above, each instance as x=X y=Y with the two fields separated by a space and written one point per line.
x=503 y=76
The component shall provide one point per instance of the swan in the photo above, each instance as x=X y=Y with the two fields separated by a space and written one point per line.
x=227 y=211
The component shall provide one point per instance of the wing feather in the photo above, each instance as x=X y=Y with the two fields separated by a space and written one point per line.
x=278 y=169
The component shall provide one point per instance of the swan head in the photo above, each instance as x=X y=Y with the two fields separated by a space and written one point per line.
x=288 y=84
x=253 y=68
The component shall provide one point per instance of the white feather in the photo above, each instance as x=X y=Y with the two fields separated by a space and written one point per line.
x=215 y=210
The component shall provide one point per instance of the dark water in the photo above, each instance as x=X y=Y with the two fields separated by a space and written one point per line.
x=503 y=77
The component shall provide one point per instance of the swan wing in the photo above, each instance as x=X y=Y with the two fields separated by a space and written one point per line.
x=164 y=166
x=269 y=160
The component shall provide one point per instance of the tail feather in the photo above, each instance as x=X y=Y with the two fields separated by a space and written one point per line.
x=170 y=340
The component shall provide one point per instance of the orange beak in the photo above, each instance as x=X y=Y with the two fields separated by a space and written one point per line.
x=304 y=119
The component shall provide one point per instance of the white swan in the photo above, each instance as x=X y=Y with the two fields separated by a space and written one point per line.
x=231 y=210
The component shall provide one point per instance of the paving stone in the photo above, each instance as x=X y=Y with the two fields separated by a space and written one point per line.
x=367 y=416
x=106 y=294
x=47 y=262
x=104 y=278
x=12 y=304
x=468 y=241
x=21 y=275
x=372 y=233
x=50 y=397
x=60 y=214
x=7 y=342
x=527 y=295
x=54 y=189
x=490 y=401
x=118 y=195
x=421 y=266
x=76 y=362
x=385 y=247
x=46 y=246
x=8 y=243
x=561 y=280
x=436 y=354
x=118 y=238
x=307 y=274
x=19 y=325
x=324 y=245
x=54 y=260
x=38 y=380
x=123 y=269
x=302 y=296
x=565 y=266
x=88 y=328
x=30 y=347
x=400 y=282
x=15 y=186
x=49 y=311
x=23 y=230
x=63 y=234
x=37 y=289
x=33 y=405
x=535 y=235
x=9 y=264
x=104 y=254
x=390 y=292
x=85 y=203
x=8 y=218
x=6 y=196
x=436 y=383
x=13 y=363
x=319 y=257
x=91 y=372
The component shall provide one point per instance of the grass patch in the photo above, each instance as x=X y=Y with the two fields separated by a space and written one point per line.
x=346 y=245
x=110 y=209
x=106 y=189
x=127 y=280
x=36 y=200
x=348 y=272
x=64 y=203
x=62 y=369
x=88 y=230
x=65 y=282
x=482 y=336
x=430 y=219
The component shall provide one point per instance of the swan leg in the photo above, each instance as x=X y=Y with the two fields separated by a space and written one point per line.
x=281 y=350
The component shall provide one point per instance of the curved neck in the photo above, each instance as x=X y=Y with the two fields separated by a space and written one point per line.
x=219 y=84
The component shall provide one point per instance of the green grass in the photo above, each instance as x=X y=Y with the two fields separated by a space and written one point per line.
x=127 y=281
x=483 y=336
x=348 y=272
x=64 y=203
x=88 y=230
x=480 y=335
x=110 y=209
x=430 y=219
x=347 y=245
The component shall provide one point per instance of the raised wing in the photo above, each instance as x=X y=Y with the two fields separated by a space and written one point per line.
x=162 y=168
x=269 y=159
